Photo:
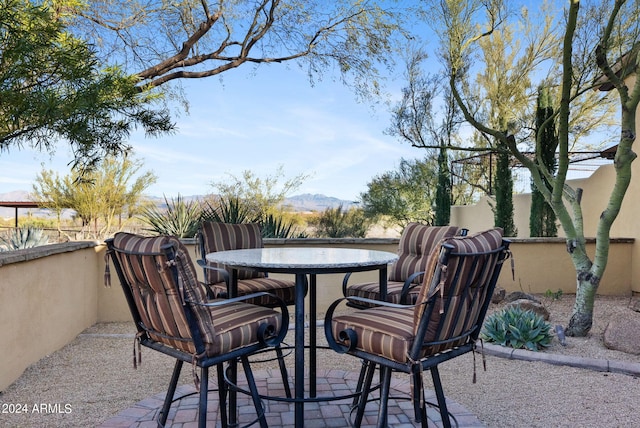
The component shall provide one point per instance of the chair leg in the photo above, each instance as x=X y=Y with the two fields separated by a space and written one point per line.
x=164 y=412
x=416 y=394
x=384 y=397
x=363 y=371
x=204 y=392
x=442 y=404
x=366 y=375
x=254 y=391
x=283 y=371
x=222 y=396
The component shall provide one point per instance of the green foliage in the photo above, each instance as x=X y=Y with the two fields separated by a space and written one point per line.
x=234 y=210
x=110 y=191
x=23 y=237
x=542 y=219
x=503 y=210
x=52 y=88
x=443 y=190
x=403 y=195
x=274 y=226
x=261 y=195
x=340 y=223
x=553 y=295
x=180 y=218
x=517 y=328
x=229 y=210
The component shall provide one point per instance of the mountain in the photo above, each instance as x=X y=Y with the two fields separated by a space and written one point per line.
x=316 y=202
x=301 y=203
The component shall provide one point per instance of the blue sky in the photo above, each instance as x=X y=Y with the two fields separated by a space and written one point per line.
x=254 y=120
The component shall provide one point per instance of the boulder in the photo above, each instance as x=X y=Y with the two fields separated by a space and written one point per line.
x=530 y=305
x=623 y=333
x=498 y=295
x=519 y=295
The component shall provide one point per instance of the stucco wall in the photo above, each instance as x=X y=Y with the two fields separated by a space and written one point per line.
x=45 y=302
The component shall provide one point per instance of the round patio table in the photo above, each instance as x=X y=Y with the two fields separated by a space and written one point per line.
x=303 y=261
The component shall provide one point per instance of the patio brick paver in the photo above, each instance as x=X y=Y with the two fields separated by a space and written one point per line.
x=279 y=414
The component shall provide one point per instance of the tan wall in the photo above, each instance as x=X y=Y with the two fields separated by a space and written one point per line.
x=47 y=297
x=44 y=304
x=541 y=265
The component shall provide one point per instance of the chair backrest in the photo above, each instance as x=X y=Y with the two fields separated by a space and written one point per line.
x=215 y=236
x=457 y=291
x=416 y=243
x=158 y=278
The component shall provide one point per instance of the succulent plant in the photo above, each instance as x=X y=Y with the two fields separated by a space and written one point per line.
x=517 y=328
x=23 y=237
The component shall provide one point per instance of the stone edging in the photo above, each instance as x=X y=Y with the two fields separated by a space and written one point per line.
x=611 y=366
x=16 y=256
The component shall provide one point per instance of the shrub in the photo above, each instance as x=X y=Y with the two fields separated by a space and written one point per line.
x=517 y=328
x=180 y=218
x=23 y=237
x=340 y=223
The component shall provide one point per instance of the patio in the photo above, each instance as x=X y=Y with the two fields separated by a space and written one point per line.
x=94 y=375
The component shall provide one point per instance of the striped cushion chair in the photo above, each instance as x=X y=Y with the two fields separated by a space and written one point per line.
x=444 y=323
x=213 y=237
x=406 y=274
x=173 y=316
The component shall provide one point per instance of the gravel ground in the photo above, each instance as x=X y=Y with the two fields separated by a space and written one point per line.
x=92 y=379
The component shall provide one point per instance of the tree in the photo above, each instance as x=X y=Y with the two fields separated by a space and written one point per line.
x=105 y=193
x=53 y=88
x=542 y=220
x=595 y=38
x=416 y=121
x=263 y=195
x=164 y=42
x=404 y=195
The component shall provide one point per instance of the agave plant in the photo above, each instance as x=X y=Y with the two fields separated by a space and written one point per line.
x=23 y=237
x=517 y=328
x=180 y=218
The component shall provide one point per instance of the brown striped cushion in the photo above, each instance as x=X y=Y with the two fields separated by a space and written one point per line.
x=458 y=315
x=390 y=332
x=159 y=301
x=155 y=293
x=371 y=290
x=227 y=236
x=416 y=243
x=383 y=331
x=284 y=289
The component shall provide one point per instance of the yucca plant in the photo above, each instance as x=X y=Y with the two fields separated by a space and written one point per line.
x=180 y=218
x=517 y=328
x=277 y=227
x=23 y=237
x=231 y=210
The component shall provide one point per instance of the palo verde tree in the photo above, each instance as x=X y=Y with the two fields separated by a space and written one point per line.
x=417 y=120
x=598 y=45
x=53 y=88
x=99 y=197
x=161 y=42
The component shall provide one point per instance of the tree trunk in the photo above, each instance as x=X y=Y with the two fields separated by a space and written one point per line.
x=582 y=315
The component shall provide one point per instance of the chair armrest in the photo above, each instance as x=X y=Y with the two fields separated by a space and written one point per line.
x=225 y=275
x=272 y=338
x=409 y=285
x=349 y=335
x=345 y=281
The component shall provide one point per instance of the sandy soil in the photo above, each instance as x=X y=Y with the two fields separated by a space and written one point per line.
x=92 y=379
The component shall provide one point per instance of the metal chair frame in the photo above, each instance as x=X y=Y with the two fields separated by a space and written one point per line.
x=267 y=337
x=415 y=363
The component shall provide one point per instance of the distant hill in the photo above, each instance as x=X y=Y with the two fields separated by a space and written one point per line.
x=316 y=202
x=301 y=203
